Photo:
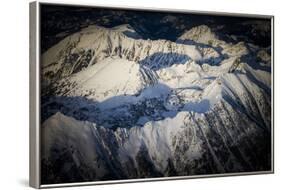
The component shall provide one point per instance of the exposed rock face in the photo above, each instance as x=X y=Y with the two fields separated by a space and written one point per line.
x=95 y=43
x=116 y=106
x=200 y=34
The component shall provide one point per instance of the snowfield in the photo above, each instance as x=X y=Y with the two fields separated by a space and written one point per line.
x=116 y=106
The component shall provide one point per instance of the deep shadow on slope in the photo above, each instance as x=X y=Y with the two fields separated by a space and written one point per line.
x=122 y=111
x=223 y=153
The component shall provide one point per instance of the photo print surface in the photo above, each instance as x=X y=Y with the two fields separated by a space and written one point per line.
x=133 y=94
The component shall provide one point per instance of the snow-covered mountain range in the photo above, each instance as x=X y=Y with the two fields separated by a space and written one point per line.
x=118 y=106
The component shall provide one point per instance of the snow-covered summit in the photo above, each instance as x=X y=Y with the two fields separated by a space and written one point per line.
x=115 y=106
x=178 y=146
x=201 y=34
x=204 y=36
x=95 y=43
x=108 y=78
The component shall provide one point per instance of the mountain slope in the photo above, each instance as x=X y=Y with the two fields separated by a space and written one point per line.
x=116 y=106
x=95 y=43
x=188 y=144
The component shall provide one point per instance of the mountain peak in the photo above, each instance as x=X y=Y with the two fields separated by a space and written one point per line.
x=124 y=27
x=128 y=31
x=201 y=34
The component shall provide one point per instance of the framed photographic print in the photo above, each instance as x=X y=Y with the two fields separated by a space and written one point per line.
x=122 y=94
